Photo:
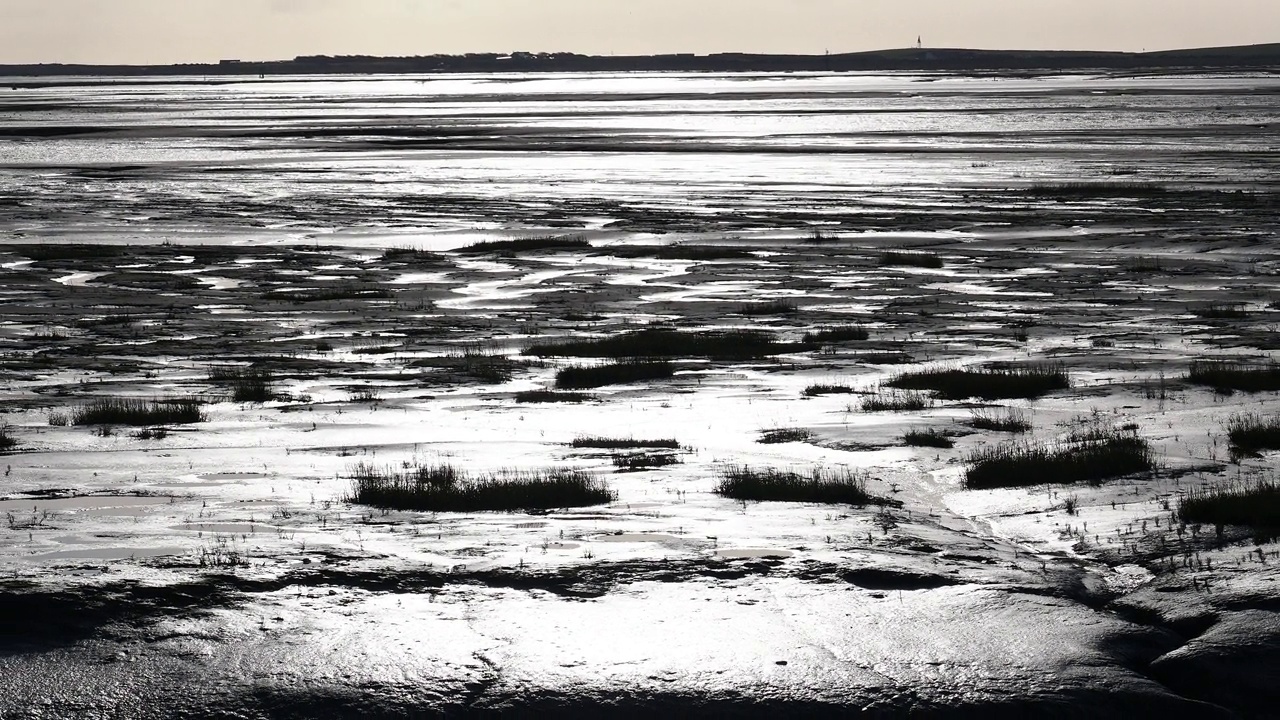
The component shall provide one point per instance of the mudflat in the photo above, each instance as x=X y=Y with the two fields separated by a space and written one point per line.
x=899 y=394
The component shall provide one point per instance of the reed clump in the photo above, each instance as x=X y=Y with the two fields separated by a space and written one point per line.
x=1228 y=376
x=667 y=343
x=1256 y=507
x=620 y=373
x=138 y=413
x=742 y=482
x=987 y=383
x=1092 y=457
x=445 y=488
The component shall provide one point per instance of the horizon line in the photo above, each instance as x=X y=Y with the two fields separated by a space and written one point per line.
x=740 y=53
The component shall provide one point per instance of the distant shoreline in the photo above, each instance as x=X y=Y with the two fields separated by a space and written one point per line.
x=1254 y=57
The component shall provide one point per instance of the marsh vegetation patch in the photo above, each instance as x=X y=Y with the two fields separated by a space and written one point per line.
x=742 y=482
x=445 y=488
x=1091 y=456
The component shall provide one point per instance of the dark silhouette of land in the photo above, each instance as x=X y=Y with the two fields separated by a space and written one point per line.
x=1262 y=57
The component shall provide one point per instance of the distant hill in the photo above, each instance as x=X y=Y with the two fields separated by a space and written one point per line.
x=1265 y=57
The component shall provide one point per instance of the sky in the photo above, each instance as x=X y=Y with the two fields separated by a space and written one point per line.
x=171 y=31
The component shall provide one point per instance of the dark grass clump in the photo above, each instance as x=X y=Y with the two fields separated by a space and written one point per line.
x=910 y=259
x=639 y=462
x=413 y=256
x=844 y=333
x=45 y=253
x=604 y=443
x=1251 y=433
x=778 y=436
x=682 y=252
x=987 y=384
x=1223 y=311
x=444 y=488
x=1084 y=190
x=1256 y=507
x=664 y=343
x=817 y=237
x=928 y=438
x=772 y=307
x=741 y=482
x=474 y=361
x=818 y=390
x=157 y=433
x=896 y=402
x=247 y=384
x=1090 y=457
x=527 y=244
x=7 y=441
x=138 y=413
x=549 y=396
x=486 y=366
x=1012 y=420
x=1226 y=376
x=630 y=371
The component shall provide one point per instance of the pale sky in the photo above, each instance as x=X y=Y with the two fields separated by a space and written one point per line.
x=167 y=31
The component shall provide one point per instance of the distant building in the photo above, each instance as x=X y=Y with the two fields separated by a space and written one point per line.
x=228 y=62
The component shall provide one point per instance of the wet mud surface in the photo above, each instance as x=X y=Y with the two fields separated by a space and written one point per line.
x=220 y=569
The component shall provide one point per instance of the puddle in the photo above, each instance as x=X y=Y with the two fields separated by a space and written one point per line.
x=220 y=283
x=107 y=554
x=561 y=546
x=79 y=279
x=752 y=554
x=228 y=528
x=436 y=278
x=94 y=504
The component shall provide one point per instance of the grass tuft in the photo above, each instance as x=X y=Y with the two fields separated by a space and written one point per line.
x=639 y=462
x=771 y=307
x=1256 y=507
x=138 y=413
x=1079 y=190
x=1088 y=457
x=896 y=402
x=444 y=488
x=412 y=256
x=604 y=443
x=1227 y=376
x=7 y=440
x=527 y=244
x=928 y=438
x=817 y=390
x=630 y=371
x=1251 y=433
x=681 y=252
x=1223 y=311
x=1012 y=420
x=664 y=343
x=741 y=482
x=157 y=433
x=778 y=436
x=251 y=384
x=987 y=384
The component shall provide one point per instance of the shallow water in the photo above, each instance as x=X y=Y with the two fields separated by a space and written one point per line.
x=427 y=161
